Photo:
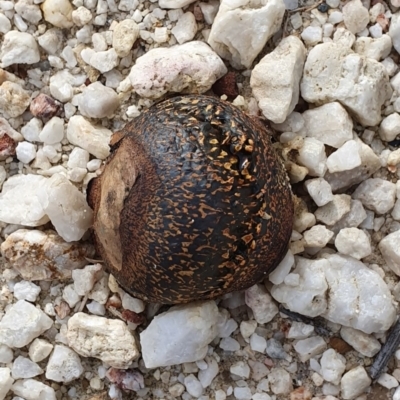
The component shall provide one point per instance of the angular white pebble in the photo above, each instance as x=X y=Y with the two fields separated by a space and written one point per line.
x=390 y=127
x=310 y=347
x=25 y=290
x=185 y=29
x=53 y=131
x=312 y=156
x=317 y=236
x=58 y=13
x=110 y=340
x=275 y=80
x=353 y=242
x=25 y=368
x=280 y=381
x=278 y=274
x=354 y=383
x=39 y=349
x=64 y=365
x=30 y=389
x=19 y=48
x=98 y=101
x=94 y=139
x=333 y=365
x=5 y=382
x=345 y=158
x=22 y=323
x=319 y=190
x=376 y=194
x=66 y=207
x=26 y=152
x=261 y=303
x=365 y=344
x=390 y=249
x=179 y=335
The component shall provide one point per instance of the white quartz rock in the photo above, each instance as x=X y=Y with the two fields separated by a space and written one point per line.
x=189 y=68
x=353 y=218
x=19 y=203
x=5 y=26
x=261 y=303
x=110 y=340
x=376 y=194
x=390 y=127
x=131 y=303
x=330 y=124
x=30 y=389
x=14 y=100
x=58 y=13
x=354 y=383
x=174 y=3
x=6 y=354
x=334 y=211
x=317 y=236
x=5 y=382
x=22 y=323
x=358 y=296
x=365 y=344
x=185 y=29
x=62 y=83
x=355 y=16
x=64 y=365
x=94 y=139
x=394 y=31
x=310 y=347
x=312 y=156
x=390 y=249
x=81 y=16
x=376 y=49
x=104 y=61
x=319 y=190
x=344 y=158
x=353 y=242
x=39 y=350
x=300 y=330
x=25 y=290
x=278 y=275
x=280 y=381
x=19 y=48
x=333 y=365
x=333 y=72
x=26 y=152
x=98 y=101
x=241 y=30
x=275 y=80
x=388 y=382
x=179 y=335
x=124 y=36
x=25 y=368
x=308 y=298
x=66 y=207
x=39 y=255
x=28 y=11
x=370 y=163
x=85 y=278
x=209 y=10
x=53 y=131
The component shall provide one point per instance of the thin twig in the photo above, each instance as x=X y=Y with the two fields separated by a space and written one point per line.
x=386 y=352
x=315 y=322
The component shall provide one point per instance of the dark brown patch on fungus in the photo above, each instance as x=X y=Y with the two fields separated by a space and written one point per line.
x=202 y=205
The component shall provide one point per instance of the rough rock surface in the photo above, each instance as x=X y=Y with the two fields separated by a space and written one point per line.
x=332 y=72
x=179 y=335
x=39 y=255
x=256 y=21
x=189 y=68
x=107 y=339
x=275 y=80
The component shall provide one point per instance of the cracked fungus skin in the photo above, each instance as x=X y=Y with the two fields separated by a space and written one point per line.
x=192 y=203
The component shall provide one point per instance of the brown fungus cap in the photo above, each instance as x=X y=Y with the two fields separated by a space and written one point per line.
x=192 y=203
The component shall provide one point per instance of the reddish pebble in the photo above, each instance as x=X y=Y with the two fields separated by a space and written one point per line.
x=7 y=146
x=133 y=317
x=301 y=393
x=339 y=345
x=198 y=14
x=126 y=379
x=226 y=85
x=44 y=106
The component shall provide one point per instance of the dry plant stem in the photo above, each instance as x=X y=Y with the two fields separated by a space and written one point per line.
x=386 y=352
x=315 y=322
